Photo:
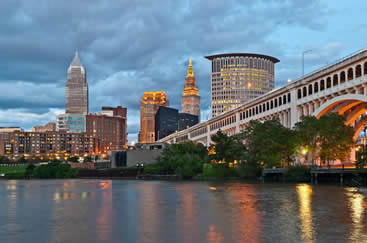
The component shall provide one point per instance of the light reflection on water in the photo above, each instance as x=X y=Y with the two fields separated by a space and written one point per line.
x=158 y=211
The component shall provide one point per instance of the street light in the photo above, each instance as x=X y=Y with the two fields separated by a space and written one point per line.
x=303 y=61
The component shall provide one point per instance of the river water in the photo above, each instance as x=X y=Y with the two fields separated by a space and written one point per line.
x=159 y=211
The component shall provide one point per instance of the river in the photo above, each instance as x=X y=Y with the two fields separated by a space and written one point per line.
x=186 y=211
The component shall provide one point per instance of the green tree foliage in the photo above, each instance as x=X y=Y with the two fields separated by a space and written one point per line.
x=185 y=159
x=227 y=148
x=22 y=160
x=270 y=143
x=74 y=159
x=308 y=130
x=55 y=169
x=327 y=138
x=88 y=159
x=4 y=160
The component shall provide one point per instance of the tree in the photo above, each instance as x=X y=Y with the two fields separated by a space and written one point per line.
x=22 y=160
x=88 y=159
x=270 y=143
x=335 y=139
x=327 y=138
x=308 y=130
x=74 y=159
x=227 y=148
x=185 y=159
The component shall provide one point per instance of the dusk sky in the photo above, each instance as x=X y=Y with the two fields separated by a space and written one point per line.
x=129 y=47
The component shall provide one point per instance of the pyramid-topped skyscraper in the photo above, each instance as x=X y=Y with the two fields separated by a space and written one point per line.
x=76 y=88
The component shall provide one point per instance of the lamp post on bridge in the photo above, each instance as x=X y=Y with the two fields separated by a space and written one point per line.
x=303 y=60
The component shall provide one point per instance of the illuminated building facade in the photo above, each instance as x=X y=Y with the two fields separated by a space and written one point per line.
x=190 y=101
x=49 y=127
x=49 y=144
x=70 y=122
x=149 y=104
x=239 y=77
x=76 y=88
x=108 y=128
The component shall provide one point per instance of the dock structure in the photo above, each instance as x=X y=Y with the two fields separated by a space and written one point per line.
x=353 y=176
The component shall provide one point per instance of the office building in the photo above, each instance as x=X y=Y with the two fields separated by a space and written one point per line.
x=190 y=100
x=108 y=128
x=169 y=120
x=239 y=77
x=71 y=122
x=76 y=88
x=48 y=144
x=149 y=105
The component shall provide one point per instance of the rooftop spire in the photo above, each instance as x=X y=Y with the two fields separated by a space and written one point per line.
x=76 y=60
x=190 y=70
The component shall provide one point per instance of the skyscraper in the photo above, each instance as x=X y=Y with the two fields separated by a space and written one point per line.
x=76 y=99
x=190 y=100
x=76 y=88
x=239 y=77
x=149 y=105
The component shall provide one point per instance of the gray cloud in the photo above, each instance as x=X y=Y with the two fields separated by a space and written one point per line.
x=129 y=47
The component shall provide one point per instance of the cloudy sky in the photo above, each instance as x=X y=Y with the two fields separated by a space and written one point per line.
x=129 y=47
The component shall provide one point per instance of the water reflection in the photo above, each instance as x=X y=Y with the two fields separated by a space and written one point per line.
x=304 y=193
x=150 y=211
x=104 y=218
x=213 y=236
x=247 y=224
x=356 y=204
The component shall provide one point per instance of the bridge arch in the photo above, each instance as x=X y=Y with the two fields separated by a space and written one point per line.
x=353 y=104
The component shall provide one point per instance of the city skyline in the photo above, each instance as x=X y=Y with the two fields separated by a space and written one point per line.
x=33 y=70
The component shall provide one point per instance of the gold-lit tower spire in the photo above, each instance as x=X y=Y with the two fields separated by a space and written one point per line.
x=190 y=101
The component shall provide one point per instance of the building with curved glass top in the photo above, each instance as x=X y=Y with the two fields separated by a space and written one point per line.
x=239 y=77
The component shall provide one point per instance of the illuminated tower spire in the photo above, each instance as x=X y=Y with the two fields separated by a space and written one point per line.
x=190 y=101
x=190 y=70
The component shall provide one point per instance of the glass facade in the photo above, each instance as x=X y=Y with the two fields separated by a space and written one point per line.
x=238 y=78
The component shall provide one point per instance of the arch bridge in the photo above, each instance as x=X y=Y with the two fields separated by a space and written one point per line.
x=338 y=87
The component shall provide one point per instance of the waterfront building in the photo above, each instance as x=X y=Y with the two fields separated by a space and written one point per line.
x=76 y=88
x=71 y=122
x=190 y=100
x=169 y=120
x=108 y=128
x=149 y=104
x=239 y=77
x=49 y=127
x=48 y=144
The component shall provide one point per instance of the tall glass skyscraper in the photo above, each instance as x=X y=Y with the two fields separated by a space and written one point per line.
x=239 y=77
x=76 y=99
x=76 y=89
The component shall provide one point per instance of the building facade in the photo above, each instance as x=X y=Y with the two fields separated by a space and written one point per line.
x=108 y=128
x=70 y=122
x=169 y=120
x=187 y=120
x=48 y=144
x=149 y=104
x=76 y=88
x=239 y=77
x=166 y=122
x=190 y=100
x=49 y=127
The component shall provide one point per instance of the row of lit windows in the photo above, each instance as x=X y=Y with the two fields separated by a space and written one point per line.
x=233 y=62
